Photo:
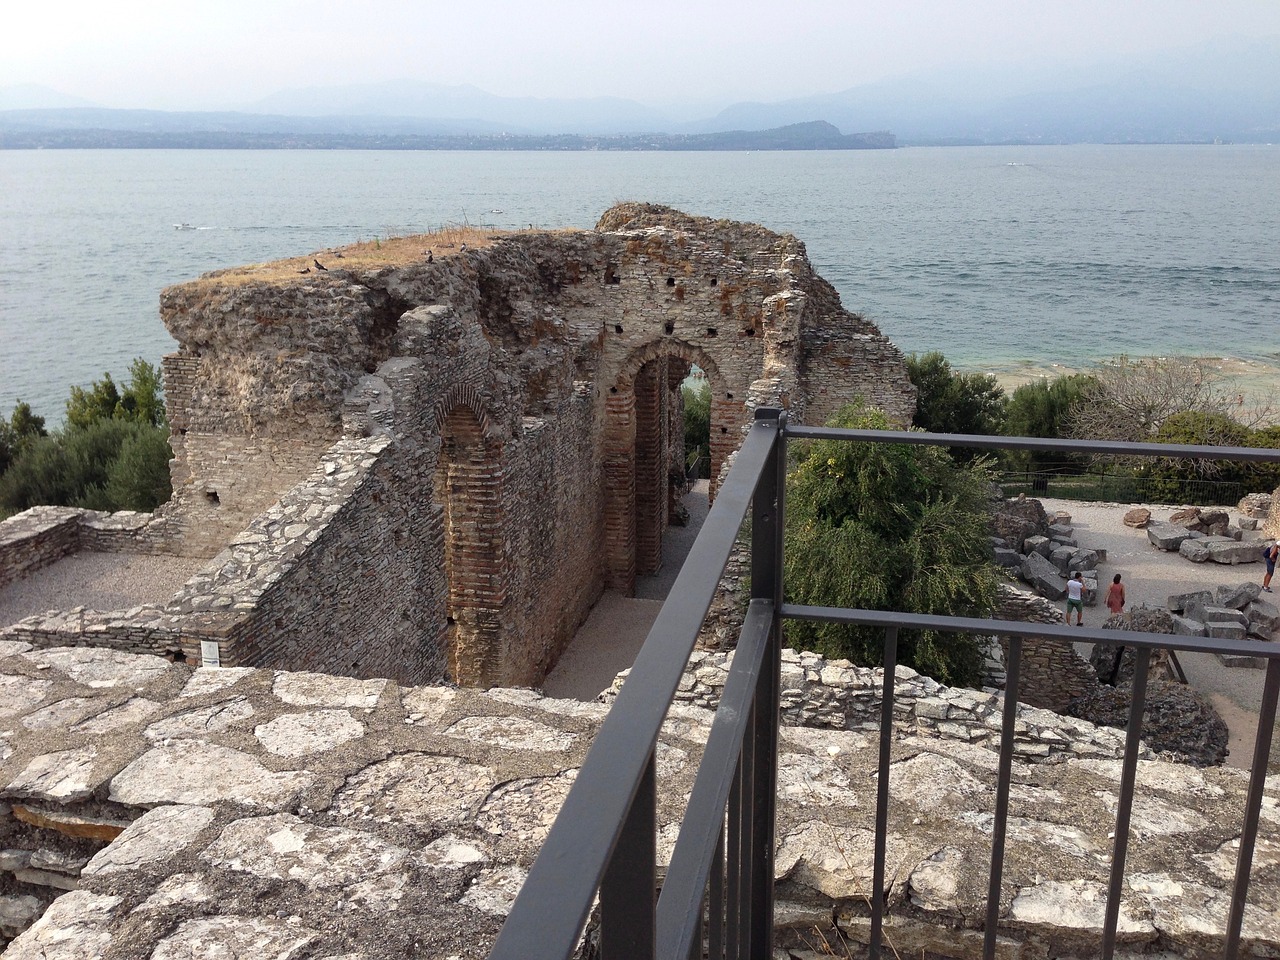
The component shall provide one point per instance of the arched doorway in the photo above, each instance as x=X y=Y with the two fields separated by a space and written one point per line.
x=644 y=453
x=468 y=484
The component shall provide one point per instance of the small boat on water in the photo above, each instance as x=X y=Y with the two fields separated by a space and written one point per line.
x=184 y=226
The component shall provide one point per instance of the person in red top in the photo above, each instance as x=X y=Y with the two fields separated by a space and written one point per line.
x=1115 y=595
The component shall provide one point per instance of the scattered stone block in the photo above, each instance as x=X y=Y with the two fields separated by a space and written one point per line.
x=1194 y=550
x=1263 y=613
x=1008 y=558
x=1207 y=613
x=1232 y=552
x=1138 y=518
x=1166 y=536
x=1037 y=544
x=1060 y=557
x=1062 y=518
x=1064 y=541
x=1186 y=627
x=1236 y=660
x=1178 y=601
x=1237 y=598
x=1249 y=523
x=1224 y=630
x=1058 y=531
x=1043 y=577
x=1085 y=559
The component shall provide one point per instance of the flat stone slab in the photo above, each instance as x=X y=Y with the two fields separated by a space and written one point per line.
x=203 y=773
x=1166 y=536
x=154 y=837
x=1233 y=552
x=301 y=734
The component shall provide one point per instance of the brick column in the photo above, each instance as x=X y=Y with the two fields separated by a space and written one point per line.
x=620 y=491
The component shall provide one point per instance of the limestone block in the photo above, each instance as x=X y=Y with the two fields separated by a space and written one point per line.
x=17 y=913
x=321 y=690
x=75 y=927
x=1058 y=531
x=58 y=861
x=1043 y=577
x=1064 y=541
x=61 y=714
x=1007 y=558
x=835 y=861
x=1037 y=544
x=1263 y=613
x=66 y=775
x=1060 y=557
x=1224 y=631
x=417 y=788
x=1194 y=550
x=494 y=891
x=154 y=837
x=202 y=721
x=1238 y=597
x=133 y=710
x=46 y=878
x=302 y=734
x=1178 y=601
x=1078 y=904
x=1229 y=551
x=102 y=667
x=1249 y=523
x=1207 y=613
x=202 y=773
x=1085 y=559
x=212 y=679
x=236 y=936
x=1186 y=627
x=71 y=825
x=1166 y=536
x=19 y=694
x=513 y=733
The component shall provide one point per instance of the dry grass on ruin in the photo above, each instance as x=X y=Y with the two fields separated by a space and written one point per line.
x=365 y=255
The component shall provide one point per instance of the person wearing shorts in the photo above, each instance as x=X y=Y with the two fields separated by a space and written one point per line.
x=1075 y=598
x=1269 y=555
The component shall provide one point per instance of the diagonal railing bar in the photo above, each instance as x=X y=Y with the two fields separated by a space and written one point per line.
x=1008 y=723
x=1253 y=806
x=1128 y=778
x=604 y=837
x=703 y=826
x=552 y=907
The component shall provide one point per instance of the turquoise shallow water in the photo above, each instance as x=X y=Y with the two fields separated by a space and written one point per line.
x=1019 y=260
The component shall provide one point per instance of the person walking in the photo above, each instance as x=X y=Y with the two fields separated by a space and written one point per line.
x=1075 y=598
x=1269 y=554
x=1115 y=596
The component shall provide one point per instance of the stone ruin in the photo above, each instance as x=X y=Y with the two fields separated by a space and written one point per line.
x=233 y=812
x=427 y=461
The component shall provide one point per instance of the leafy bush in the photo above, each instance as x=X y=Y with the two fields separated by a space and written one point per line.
x=889 y=527
x=950 y=402
x=112 y=454
x=1043 y=408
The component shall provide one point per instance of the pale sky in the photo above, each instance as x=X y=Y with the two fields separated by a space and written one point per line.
x=224 y=53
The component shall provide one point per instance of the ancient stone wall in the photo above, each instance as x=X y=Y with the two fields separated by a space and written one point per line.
x=253 y=813
x=40 y=536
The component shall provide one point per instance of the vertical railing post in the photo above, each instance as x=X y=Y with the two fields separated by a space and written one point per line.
x=766 y=584
x=882 y=791
x=628 y=890
x=1128 y=776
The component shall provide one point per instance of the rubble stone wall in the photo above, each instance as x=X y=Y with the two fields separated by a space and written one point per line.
x=151 y=810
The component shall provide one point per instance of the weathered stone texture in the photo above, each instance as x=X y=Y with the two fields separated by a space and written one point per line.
x=414 y=838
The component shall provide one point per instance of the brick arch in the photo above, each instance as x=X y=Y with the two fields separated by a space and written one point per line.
x=468 y=488
x=641 y=432
x=466 y=396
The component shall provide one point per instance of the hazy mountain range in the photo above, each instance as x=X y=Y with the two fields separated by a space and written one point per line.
x=1228 y=90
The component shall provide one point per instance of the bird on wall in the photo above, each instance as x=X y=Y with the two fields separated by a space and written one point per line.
x=430 y=257
x=319 y=265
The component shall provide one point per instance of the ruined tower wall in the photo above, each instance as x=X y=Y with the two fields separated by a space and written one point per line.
x=496 y=426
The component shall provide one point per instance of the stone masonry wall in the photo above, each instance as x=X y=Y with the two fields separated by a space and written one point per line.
x=835 y=694
x=151 y=810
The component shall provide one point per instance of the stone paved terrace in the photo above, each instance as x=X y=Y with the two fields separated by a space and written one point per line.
x=250 y=813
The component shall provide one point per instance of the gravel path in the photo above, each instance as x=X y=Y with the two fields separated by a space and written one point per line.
x=99 y=581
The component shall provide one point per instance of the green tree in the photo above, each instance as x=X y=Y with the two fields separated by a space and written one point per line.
x=697 y=424
x=138 y=478
x=1167 y=479
x=23 y=428
x=951 y=402
x=140 y=401
x=1043 y=408
x=889 y=527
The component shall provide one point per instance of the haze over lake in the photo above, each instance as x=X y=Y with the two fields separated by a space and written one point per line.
x=1012 y=259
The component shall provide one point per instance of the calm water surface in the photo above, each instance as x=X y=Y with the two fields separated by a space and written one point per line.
x=1007 y=259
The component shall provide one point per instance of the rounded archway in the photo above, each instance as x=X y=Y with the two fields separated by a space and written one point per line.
x=644 y=452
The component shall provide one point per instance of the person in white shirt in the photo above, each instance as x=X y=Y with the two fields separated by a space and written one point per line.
x=1075 y=598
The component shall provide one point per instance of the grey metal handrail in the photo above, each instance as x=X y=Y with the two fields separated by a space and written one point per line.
x=604 y=838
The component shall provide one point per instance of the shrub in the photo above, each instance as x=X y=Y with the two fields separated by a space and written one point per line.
x=889 y=526
x=950 y=402
x=697 y=425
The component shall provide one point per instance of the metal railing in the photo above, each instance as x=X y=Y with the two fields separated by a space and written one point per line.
x=717 y=896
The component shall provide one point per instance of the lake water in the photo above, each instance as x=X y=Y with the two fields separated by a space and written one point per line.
x=1017 y=260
